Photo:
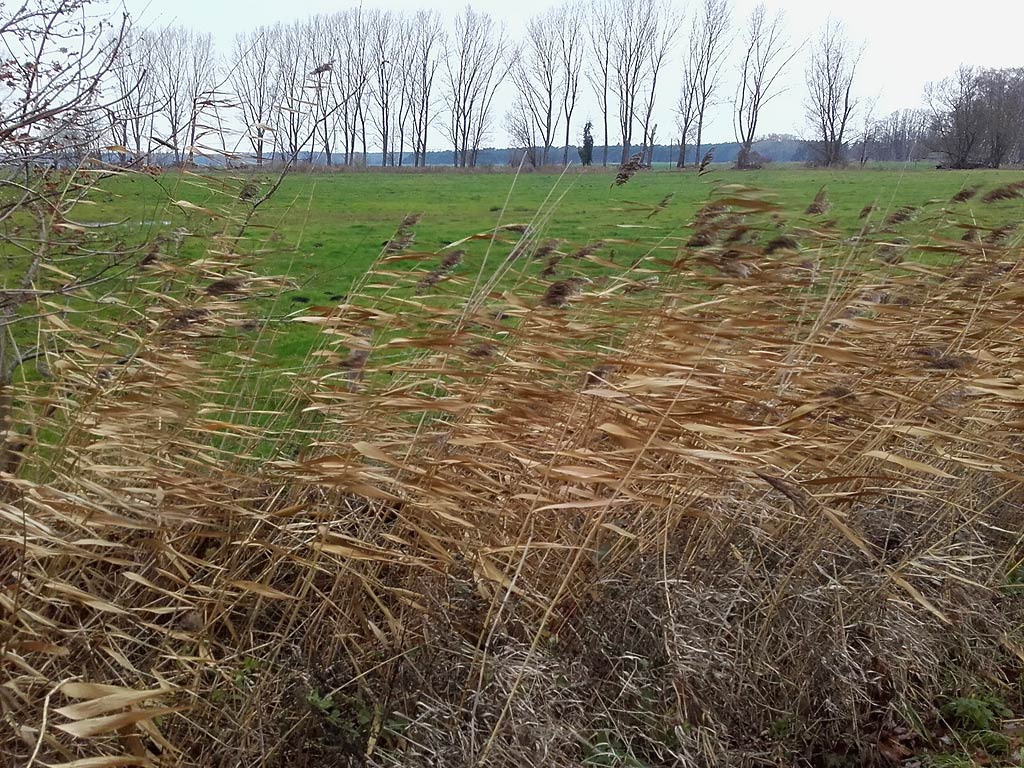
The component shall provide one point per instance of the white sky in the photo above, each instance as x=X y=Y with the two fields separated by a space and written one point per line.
x=907 y=43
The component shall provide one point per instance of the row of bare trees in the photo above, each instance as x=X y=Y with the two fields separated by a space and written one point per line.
x=331 y=86
x=334 y=86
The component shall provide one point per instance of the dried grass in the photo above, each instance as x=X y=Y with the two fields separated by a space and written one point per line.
x=716 y=522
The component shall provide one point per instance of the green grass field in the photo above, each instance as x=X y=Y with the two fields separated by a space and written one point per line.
x=322 y=231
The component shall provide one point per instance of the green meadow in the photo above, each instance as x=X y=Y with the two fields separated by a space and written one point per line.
x=322 y=231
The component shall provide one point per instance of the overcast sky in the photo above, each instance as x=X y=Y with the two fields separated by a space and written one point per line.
x=906 y=44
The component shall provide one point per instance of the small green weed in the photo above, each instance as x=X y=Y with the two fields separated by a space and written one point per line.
x=324 y=706
x=976 y=713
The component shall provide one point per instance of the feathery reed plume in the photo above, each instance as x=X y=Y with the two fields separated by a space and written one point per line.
x=705 y=161
x=710 y=212
x=522 y=229
x=249 y=191
x=599 y=374
x=546 y=249
x=1006 y=192
x=662 y=205
x=441 y=272
x=965 y=194
x=404 y=236
x=641 y=285
x=782 y=243
x=738 y=234
x=552 y=265
x=820 y=204
x=629 y=169
x=900 y=215
x=587 y=250
x=187 y=318
x=700 y=239
x=999 y=234
x=226 y=286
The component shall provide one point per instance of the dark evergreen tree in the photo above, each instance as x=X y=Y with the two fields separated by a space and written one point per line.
x=587 y=150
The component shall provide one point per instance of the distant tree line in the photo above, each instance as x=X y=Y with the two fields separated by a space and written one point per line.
x=362 y=84
x=976 y=117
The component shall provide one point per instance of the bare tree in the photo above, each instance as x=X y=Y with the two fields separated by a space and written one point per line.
x=766 y=55
x=134 y=93
x=536 y=77
x=185 y=70
x=293 y=65
x=477 y=62
x=686 y=108
x=868 y=128
x=902 y=136
x=406 y=77
x=522 y=131
x=706 y=54
x=169 y=63
x=956 y=116
x=665 y=33
x=353 y=72
x=830 y=104
x=251 y=73
x=571 y=49
x=385 y=68
x=601 y=29
x=320 y=84
x=1001 y=94
x=634 y=36
x=425 y=48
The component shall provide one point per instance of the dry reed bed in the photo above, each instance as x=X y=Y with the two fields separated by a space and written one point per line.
x=695 y=497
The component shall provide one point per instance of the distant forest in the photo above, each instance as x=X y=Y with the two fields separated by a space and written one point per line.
x=775 y=149
x=788 y=149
